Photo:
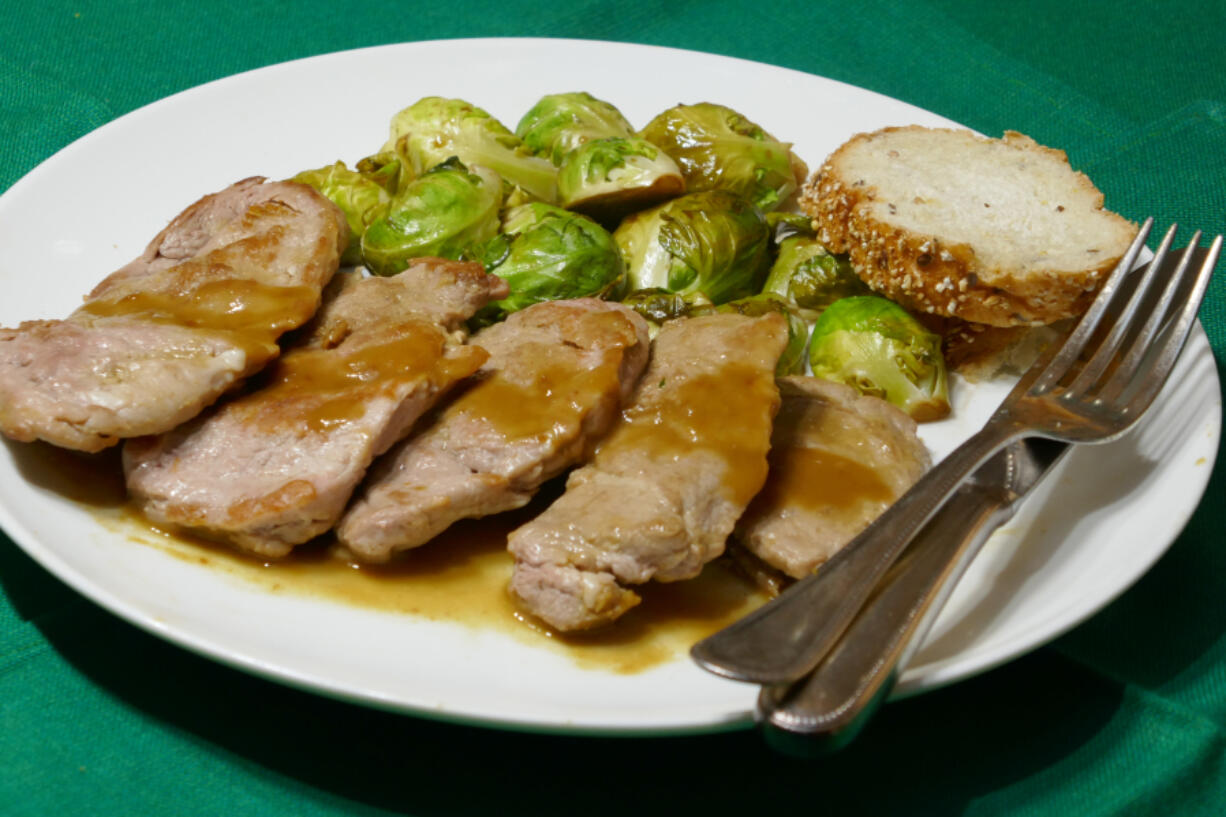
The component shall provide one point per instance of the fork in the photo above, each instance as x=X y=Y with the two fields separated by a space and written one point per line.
x=1090 y=389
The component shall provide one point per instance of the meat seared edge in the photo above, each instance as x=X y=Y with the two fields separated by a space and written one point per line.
x=166 y=335
x=274 y=467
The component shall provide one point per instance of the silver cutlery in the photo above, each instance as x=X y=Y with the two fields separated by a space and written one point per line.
x=1091 y=388
x=827 y=708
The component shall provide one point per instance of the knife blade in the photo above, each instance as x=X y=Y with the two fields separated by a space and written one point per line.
x=826 y=709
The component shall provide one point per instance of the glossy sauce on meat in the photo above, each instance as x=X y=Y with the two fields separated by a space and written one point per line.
x=705 y=414
x=664 y=490
x=554 y=383
x=837 y=460
x=333 y=392
x=275 y=466
x=812 y=478
x=251 y=314
x=163 y=337
x=557 y=397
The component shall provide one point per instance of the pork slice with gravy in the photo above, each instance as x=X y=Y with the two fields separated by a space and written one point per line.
x=554 y=382
x=163 y=337
x=275 y=466
x=838 y=459
x=665 y=488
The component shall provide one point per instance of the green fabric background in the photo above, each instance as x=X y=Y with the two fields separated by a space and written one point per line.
x=1125 y=715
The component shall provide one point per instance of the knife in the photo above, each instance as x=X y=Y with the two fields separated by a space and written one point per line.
x=826 y=709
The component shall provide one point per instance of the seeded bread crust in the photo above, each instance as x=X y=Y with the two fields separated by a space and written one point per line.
x=929 y=272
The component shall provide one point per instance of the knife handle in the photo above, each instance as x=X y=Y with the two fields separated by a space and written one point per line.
x=826 y=709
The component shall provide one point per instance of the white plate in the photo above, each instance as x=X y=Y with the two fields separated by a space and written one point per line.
x=1091 y=531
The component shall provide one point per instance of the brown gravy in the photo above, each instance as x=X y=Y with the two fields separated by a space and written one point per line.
x=249 y=313
x=540 y=390
x=703 y=413
x=329 y=387
x=514 y=409
x=811 y=478
x=460 y=577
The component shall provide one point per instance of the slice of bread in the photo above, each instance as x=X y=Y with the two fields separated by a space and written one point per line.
x=994 y=231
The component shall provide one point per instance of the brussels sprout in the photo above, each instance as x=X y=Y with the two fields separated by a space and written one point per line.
x=792 y=361
x=718 y=149
x=787 y=224
x=808 y=274
x=434 y=129
x=607 y=178
x=444 y=213
x=715 y=243
x=875 y=346
x=360 y=198
x=659 y=305
x=559 y=123
x=546 y=253
x=391 y=169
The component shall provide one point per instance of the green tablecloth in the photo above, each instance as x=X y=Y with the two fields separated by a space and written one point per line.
x=1123 y=715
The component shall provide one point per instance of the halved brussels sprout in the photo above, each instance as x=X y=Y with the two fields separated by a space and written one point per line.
x=445 y=212
x=718 y=149
x=559 y=123
x=434 y=129
x=792 y=361
x=545 y=253
x=360 y=198
x=715 y=243
x=606 y=178
x=813 y=278
x=875 y=346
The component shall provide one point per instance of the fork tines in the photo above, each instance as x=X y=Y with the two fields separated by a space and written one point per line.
x=1123 y=344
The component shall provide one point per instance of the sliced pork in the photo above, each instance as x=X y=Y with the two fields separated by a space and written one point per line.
x=667 y=485
x=275 y=466
x=838 y=459
x=556 y=377
x=166 y=335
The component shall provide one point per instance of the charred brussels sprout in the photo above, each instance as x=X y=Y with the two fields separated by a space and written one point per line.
x=559 y=123
x=360 y=198
x=546 y=253
x=875 y=346
x=444 y=213
x=434 y=129
x=606 y=178
x=808 y=274
x=792 y=361
x=718 y=149
x=714 y=243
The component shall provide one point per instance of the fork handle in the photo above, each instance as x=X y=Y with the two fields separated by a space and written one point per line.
x=784 y=640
